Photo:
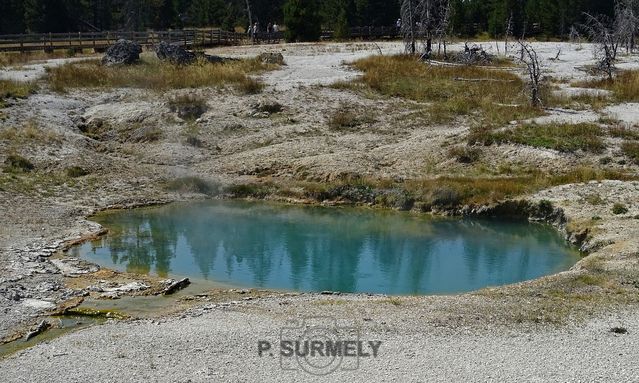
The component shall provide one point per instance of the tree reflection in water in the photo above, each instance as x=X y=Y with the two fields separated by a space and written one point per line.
x=314 y=249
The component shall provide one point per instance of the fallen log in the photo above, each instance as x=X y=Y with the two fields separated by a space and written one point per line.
x=481 y=79
x=42 y=327
x=175 y=286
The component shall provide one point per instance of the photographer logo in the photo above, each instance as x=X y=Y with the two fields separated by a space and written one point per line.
x=320 y=346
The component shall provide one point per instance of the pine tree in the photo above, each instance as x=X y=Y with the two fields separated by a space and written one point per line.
x=341 y=29
x=302 y=20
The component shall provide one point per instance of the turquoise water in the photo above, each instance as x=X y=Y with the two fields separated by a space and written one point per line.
x=315 y=249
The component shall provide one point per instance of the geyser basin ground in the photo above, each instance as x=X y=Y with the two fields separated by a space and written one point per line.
x=314 y=249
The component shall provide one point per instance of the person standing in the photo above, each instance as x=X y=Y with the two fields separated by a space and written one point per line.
x=254 y=32
x=269 y=32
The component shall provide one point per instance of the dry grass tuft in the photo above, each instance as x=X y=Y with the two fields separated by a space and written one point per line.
x=15 y=89
x=188 y=106
x=150 y=73
x=465 y=154
x=631 y=150
x=625 y=86
x=14 y=58
x=625 y=132
x=493 y=97
x=346 y=117
x=29 y=133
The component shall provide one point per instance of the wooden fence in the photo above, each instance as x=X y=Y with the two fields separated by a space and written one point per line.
x=102 y=40
x=192 y=38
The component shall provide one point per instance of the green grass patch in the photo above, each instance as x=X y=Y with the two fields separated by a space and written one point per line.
x=192 y=185
x=465 y=154
x=17 y=164
x=427 y=194
x=561 y=137
x=619 y=208
x=76 y=172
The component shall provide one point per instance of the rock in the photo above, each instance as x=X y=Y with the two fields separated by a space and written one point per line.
x=217 y=59
x=619 y=330
x=110 y=295
x=174 y=54
x=271 y=58
x=73 y=267
x=177 y=55
x=114 y=291
x=123 y=52
x=173 y=286
x=38 y=304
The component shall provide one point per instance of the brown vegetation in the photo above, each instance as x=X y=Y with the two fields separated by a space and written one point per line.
x=152 y=74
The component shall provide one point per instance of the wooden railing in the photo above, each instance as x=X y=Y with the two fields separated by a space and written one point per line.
x=189 y=38
x=102 y=40
x=368 y=33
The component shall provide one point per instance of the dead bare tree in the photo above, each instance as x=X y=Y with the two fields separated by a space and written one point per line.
x=530 y=59
x=574 y=35
x=248 y=10
x=509 y=32
x=426 y=20
x=602 y=33
x=409 y=25
x=626 y=23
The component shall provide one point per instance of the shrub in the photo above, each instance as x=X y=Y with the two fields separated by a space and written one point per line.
x=250 y=86
x=545 y=206
x=188 y=106
x=142 y=134
x=619 y=208
x=250 y=190
x=192 y=185
x=605 y=160
x=631 y=150
x=76 y=171
x=465 y=154
x=17 y=164
x=270 y=107
x=445 y=196
x=191 y=132
x=342 y=119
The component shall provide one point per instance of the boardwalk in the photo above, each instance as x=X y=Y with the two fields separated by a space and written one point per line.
x=189 y=38
x=102 y=40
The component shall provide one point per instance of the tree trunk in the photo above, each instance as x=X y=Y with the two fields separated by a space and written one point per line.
x=248 y=9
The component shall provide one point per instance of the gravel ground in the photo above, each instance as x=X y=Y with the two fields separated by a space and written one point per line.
x=220 y=344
